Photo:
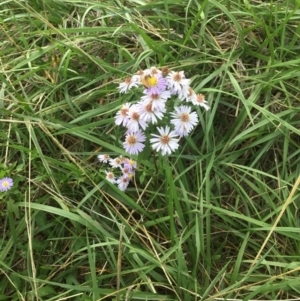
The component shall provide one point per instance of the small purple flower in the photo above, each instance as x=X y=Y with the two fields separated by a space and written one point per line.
x=155 y=84
x=130 y=163
x=6 y=184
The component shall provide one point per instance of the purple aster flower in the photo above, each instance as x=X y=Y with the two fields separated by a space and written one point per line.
x=130 y=163
x=155 y=83
x=6 y=184
x=133 y=142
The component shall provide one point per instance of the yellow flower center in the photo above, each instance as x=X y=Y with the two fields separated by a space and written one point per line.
x=131 y=162
x=5 y=184
x=152 y=81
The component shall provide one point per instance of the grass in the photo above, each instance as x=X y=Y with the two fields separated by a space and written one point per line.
x=218 y=220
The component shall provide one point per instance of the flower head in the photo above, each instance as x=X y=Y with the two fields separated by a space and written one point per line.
x=116 y=162
x=149 y=114
x=131 y=163
x=121 y=116
x=184 y=121
x=158 y=101
x=134 y=142
x=6 y=184
x=103 y=158
x=129 y=83
x=154 y=83
x=135 y=119
x=166 y=142
x=200 y=101
x=123 y=182
x=110 y=176
x=177 y=82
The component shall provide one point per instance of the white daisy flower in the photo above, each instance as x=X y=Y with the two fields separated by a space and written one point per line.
x=103 y=158
x=158 y=101
x=123 y=182
x=177 y=82
x=200 y=101
x=166 y=142
x=184 y=121
x=121 y=116
x=110 y=176
x=153 y=70
x=116 y=162
x=129 y=83
x=135 y=119
x=188 y=95
x=134 y=142
x=150 y=115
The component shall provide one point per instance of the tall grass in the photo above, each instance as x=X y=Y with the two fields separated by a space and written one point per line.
x=218 y=220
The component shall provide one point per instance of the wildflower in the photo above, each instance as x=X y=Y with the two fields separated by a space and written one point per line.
x=126 y=170
x=129 y=83
x=121 y=116
x=187 y=94
x=152 y=71
x=166 y=142
x=200 y=101
x=133 y=142
x=177 y=82
x=149 y=114
x=131 y=163
x=131 y=175
x=116 y=162
x=123 y=182
x=184 y=121
x=158 y=100
x=134 y=119
x=6 y=184
x=110 y=176
x=103 y=158
x=154 y=83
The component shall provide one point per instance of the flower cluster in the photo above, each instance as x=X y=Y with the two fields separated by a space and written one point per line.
x=160 y=87
x=126 y=171
x=6 y=184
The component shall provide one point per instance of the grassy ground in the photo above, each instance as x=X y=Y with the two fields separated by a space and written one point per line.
x=218 y=220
